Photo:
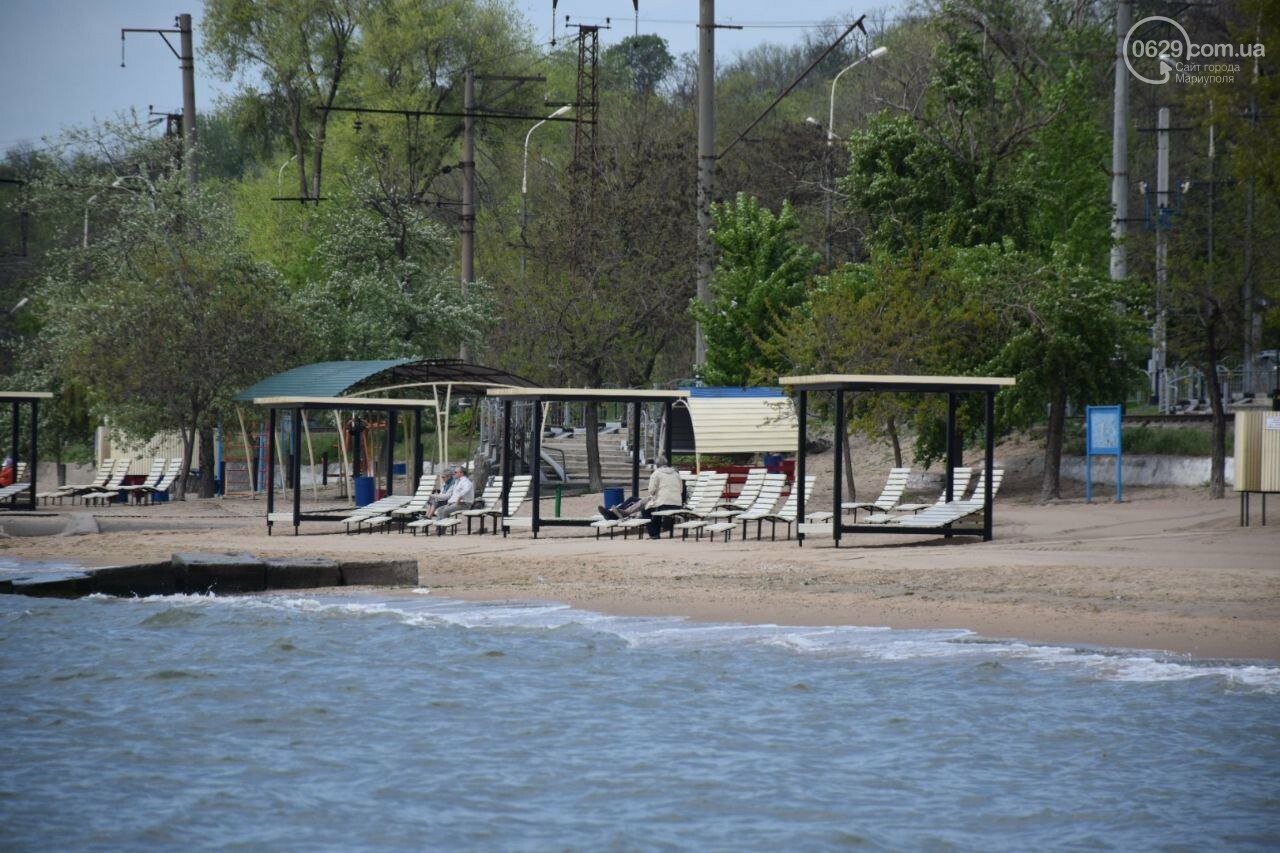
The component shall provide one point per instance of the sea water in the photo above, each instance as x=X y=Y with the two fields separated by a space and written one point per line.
x=384 y=720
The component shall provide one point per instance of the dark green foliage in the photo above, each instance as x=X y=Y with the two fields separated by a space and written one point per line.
x=759 y=278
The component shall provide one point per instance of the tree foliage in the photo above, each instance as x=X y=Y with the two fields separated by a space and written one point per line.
x=385 y=287
x=303 y=50
x=760 y=276
x=162 y=316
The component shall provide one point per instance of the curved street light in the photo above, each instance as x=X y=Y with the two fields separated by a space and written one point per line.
x=831 y=138
x=524 y=177
x=831 y=111
x=524 y=185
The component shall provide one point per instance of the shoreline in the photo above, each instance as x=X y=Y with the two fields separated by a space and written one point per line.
x=1167 y=571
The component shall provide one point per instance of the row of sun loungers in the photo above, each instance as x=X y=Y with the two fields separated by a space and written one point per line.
x=108 y=483
x=407 y=513
x=705 y=509
x=943 y=513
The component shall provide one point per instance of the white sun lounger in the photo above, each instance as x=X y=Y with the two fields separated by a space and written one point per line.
x=894 y=486
x=406 y=509
x=171 y=473
x=373 y=510
x=746 y=496
x=153 y=477
x=112 y=487
x=71 y=490
x=959 y=483
x=942 y=515
x=707 y=492
x=493 y=506
x=724 y=520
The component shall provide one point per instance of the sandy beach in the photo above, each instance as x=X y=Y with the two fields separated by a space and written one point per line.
x=1166 y=570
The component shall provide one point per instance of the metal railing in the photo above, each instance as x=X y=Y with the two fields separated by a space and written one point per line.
x=1186 y=389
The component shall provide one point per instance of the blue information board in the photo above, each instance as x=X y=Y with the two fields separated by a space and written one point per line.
x=1102 y=438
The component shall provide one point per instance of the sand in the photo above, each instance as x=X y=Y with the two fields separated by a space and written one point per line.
x=1168 y=570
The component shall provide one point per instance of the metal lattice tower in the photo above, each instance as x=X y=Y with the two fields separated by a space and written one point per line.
x=587 y=101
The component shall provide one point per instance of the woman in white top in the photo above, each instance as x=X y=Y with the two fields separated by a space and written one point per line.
x=666 y=491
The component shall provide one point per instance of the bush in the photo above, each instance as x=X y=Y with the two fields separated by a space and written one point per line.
x=1154 y=441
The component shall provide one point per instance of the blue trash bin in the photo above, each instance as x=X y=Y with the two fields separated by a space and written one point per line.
x=613 y=497
x=773 y=462
x=364 y=491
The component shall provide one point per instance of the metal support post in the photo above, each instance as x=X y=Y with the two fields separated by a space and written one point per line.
x=635 y=450
x=32 y=463
x=271 y=466
x=295 y=463
x=505 y=463
x=951 y=445
x=802 y=431
x=837 y=495
x=989 y=465
x=391 y=451
x=666 y=435
x=416 y=478
x=535 y=466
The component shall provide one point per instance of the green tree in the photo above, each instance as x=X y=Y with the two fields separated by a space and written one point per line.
x=1071 y=335
x=303 y=49
x=413 y=55
x=162 y=316
x=891 y=315
x=1224 y=241
x=386 y=285
x=760 y=276
x=644 y=60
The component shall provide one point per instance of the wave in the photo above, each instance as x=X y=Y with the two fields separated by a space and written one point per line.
x=420 y=608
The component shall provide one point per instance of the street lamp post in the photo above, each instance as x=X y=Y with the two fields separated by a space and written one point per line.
x=828 y=177
x=831 y=135
x=524 y=187
x=831 y=111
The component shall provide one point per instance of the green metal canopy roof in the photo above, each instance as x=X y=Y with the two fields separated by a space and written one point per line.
x=322 y=379
x=343 y=378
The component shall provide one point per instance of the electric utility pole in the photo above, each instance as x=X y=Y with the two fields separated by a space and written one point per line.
x=187 y=63
x=1120 y=148
x=468 y=190
x=1159 y=331
x=706 y=160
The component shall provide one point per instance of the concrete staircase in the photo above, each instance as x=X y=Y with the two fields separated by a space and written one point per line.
x=615 y=463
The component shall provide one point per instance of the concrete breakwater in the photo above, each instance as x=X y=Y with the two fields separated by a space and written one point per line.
x=199 y=573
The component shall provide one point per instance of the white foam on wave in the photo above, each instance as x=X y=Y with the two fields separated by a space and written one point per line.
x=863 y=643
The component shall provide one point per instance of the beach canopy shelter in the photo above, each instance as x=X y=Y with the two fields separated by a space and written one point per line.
x=298 y=405
x=539 y=396
x=16 y=400
x=842 y=385
x=444 y=377
x=734 y=420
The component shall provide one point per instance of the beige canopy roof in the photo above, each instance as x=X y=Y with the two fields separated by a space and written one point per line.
x=587 y=394
x=21 y=396
x=872 y=382
x=742 y=424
